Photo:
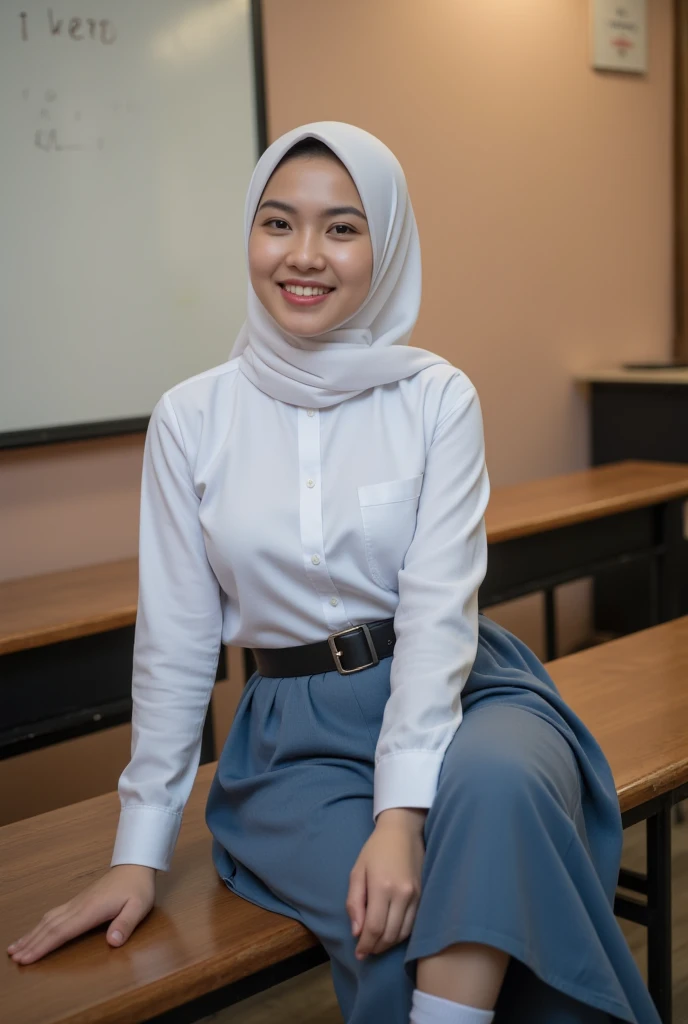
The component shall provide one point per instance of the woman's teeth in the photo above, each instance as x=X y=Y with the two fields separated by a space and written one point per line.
x=297 y=289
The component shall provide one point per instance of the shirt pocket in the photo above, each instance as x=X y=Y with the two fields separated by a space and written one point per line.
x=389 y=513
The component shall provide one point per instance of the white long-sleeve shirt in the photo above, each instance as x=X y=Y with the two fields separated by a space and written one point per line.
x=267 y=525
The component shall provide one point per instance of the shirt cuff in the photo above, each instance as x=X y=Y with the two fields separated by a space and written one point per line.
x=146 y=835
x=406 y=779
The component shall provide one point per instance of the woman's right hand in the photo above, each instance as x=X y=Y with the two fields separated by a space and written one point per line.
x=125 y=895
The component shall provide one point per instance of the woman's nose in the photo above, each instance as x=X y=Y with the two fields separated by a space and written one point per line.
x=305 y=254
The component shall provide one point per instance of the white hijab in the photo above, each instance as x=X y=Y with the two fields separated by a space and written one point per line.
x=371 y=347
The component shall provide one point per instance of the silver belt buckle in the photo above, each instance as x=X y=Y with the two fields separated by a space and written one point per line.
x=337 y=655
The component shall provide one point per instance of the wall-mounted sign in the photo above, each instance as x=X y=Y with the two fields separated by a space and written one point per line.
x=619 y=35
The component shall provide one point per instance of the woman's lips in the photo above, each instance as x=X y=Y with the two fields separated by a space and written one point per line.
x=290 y=295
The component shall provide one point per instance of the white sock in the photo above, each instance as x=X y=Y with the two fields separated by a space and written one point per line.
x=427 y=1009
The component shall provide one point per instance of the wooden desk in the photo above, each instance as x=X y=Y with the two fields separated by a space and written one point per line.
x=549 y=532
x=635 y=414
x=66 y=647
x=66 y=638
x=202 y=948
x=41 y=610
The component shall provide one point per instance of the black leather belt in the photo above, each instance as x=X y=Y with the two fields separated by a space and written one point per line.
x=349 y=651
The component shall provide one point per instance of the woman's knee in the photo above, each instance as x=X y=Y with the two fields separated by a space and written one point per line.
x=509 y=758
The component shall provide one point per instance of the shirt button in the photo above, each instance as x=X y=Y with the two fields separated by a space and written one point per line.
x=310 y=412
x=310 y=483
x=315 y=559
x=334 y=602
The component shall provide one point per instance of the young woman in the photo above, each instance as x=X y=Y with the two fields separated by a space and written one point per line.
x=401 y=774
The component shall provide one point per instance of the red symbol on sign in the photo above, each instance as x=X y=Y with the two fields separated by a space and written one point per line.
x=622 y=45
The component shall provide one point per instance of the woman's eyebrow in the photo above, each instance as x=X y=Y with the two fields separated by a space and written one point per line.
x=333 y=211
x=284 y=207
x=340 y=211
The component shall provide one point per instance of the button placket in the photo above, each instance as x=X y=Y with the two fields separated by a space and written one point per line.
x=312 y=539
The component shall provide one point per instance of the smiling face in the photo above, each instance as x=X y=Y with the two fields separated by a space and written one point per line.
x=310 y=255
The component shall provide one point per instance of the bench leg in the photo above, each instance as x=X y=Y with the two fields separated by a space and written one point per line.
x=208 y=753
x=659 y=911
x=669 y=563
x=550 y=625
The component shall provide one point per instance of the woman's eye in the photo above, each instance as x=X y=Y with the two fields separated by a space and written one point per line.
x=281 y=225
x=342 y=229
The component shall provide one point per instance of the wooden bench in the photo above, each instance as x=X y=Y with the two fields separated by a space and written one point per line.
x=60 y=632
x=202 y=948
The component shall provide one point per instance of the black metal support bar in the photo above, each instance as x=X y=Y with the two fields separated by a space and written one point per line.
x=635 y=881
x=85 y=720
x=507 y=580
x=655 y=912
x=525 y=565
x=61 y=691
x=659 y=911
x=654 y=590
x=208 y=738
x=669 y=560
x=550 y=624
x=52 y=683
x=208 y=747
x=631 y=909
x=491 y=594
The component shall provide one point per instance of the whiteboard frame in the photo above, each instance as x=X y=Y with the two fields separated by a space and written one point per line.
x=66 y=432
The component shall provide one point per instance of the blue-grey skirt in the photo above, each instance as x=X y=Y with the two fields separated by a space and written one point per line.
x=523 y=840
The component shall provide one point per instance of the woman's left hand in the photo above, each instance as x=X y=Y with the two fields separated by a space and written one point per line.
x=384 y=886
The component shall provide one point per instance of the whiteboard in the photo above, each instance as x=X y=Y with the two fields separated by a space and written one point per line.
x=128 y=133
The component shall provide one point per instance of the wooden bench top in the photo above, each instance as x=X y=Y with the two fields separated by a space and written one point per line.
x=42 y=610
x=557 y=501
x=632 y=693
x=181 y=951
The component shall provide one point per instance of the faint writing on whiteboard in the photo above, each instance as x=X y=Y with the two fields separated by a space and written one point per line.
x=47 y=139
x=60 y=138
x=78 y=29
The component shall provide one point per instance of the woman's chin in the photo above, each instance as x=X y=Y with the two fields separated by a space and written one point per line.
x=302 y=325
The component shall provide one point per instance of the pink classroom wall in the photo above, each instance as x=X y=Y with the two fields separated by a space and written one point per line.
x=543 y=195
x=542 y=189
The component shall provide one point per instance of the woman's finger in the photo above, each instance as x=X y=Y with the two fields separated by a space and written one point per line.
x=50 y=936
x=30 y=936
x=375 y=920
x=356 y=900
x=395 y=918
x=61 y=929
x=27 y=943
x=14 y=947
x=409 y=918
x=45 y=938
x=132 y=913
